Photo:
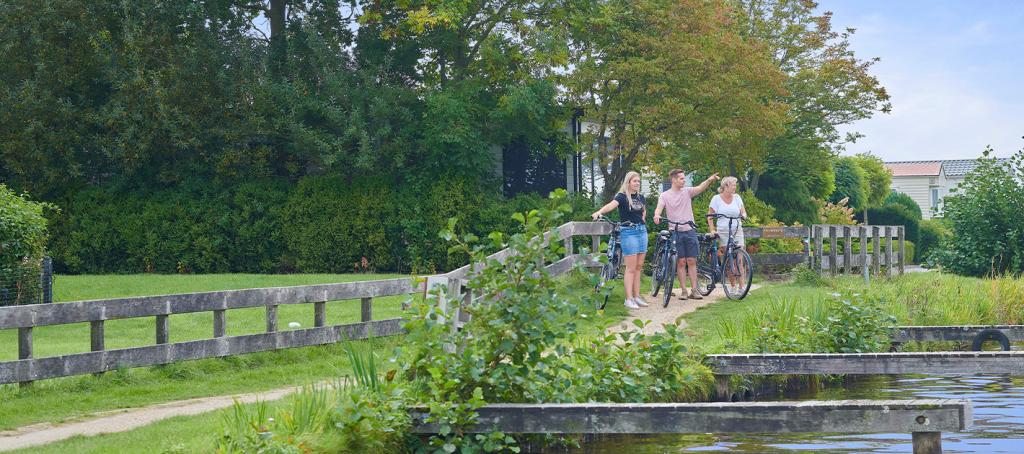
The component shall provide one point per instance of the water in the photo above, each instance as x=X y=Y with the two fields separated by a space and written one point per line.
x=998 y=421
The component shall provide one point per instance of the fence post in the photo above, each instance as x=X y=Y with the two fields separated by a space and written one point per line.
x=848 y=249
x=833 y=264
x=888 y=251
x=319 y=313
x=271 y=318
x=96 y=339
x=220 y=323
x=47 y=280
x=863 y=231
x=162 y=325
x=876 y=251
x=903 y=248
x=25 y=348
x=926 y=442
x=818 y=245
x=568 y=246
x=454 y=290
x=366 y=311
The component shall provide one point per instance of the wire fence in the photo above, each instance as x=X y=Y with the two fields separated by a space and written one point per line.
x=26 y=283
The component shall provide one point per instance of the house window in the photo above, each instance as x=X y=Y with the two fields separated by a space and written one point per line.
x=935 y=199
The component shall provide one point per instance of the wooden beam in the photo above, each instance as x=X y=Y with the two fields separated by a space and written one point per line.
x=150 y=355
x=963 y=333
x=962 y=363
x=840 y=416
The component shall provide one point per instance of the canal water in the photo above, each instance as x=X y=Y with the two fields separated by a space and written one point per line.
x=998 y=421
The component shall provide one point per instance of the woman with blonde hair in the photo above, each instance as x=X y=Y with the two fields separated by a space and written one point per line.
x=632 y=213
x=727 y=203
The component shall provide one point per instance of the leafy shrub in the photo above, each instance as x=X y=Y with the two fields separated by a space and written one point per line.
x=835 y=213
x=985 y=218
x=23 y=236
x=901 y=199
x=857 y=325
x=806 y=276
x=933 y=232
x=895 y=215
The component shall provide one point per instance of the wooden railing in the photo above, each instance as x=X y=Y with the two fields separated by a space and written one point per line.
x=841 y=259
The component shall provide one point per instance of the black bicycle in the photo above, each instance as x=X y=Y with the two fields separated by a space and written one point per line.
x=665 y=258
x=734 y=271
x=610 y=269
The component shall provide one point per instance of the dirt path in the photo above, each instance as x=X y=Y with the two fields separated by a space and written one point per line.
x=659 y=315
x=125 y=420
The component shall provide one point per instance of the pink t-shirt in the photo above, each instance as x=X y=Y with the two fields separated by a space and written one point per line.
x=677 y=206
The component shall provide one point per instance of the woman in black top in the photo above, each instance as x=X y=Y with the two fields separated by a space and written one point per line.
x=633 y=213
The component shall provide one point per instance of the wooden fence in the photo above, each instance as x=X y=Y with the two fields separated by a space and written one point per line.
x=841 y=258
x=28 y=368
x=25 y=318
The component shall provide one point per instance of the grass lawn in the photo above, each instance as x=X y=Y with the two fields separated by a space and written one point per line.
x=61 y=399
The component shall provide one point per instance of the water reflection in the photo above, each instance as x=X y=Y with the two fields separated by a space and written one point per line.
x=998 y=421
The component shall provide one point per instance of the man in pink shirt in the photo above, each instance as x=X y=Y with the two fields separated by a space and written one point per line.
x=678 y=208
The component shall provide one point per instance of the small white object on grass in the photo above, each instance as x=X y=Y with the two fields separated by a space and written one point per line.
x=294 y=325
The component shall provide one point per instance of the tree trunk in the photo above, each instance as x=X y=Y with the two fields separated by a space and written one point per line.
x=278 y=41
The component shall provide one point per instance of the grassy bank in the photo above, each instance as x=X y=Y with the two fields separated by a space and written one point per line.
x=913 y=299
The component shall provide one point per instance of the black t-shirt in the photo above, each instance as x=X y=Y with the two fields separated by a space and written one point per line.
x=634 y=214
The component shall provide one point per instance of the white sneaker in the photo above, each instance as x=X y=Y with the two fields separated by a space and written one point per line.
x=631 y=305
x=640 y=302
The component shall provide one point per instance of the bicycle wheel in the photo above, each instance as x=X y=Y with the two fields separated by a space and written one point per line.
x=657 y=270
x=667 y=280
x=737 y=274
x=704 y=283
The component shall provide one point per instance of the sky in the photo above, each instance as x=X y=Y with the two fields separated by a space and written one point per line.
x=953 y=69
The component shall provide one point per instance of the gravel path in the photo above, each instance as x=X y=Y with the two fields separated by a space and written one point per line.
x=660 y=316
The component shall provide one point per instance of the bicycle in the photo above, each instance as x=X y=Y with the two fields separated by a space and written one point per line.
x=665 y=258
x=735 y=271
x=610 y=269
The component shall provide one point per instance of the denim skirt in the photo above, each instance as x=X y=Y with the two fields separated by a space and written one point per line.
x=634 y=239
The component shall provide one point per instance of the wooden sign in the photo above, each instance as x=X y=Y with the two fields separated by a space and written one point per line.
x=772 y=232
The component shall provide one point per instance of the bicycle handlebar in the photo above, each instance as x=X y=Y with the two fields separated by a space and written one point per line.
x=614 y=223
x=690 y=223
x=720 y=215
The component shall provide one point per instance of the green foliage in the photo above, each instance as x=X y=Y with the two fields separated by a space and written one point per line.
x=857 y=324
x=901 y=199
x=986 y=221
x=835 y=213
x=933 y=233
x=23 y=236
x=806 y=276
x=23 y=232
x=187 y=230
x=851 y=184
x=879 y=178
x=848 y=323
x=522 y=343
x=893 y=214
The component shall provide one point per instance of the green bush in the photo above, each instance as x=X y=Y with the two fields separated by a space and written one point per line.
x=23 y=236
x=894 y=215
x=986 y=221
x=901 y=199
x=933 y=232
x=188 y=229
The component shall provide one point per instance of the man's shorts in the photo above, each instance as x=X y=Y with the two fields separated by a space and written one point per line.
x=686 y=244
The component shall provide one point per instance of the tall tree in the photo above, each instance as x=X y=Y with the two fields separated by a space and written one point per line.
x=670 y=84
x=879 y=180
x=827 y=86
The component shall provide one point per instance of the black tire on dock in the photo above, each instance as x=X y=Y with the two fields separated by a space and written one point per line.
x=990 y=334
